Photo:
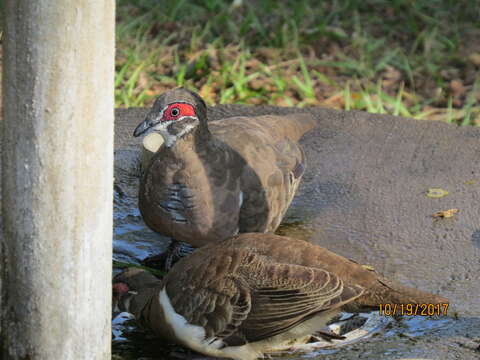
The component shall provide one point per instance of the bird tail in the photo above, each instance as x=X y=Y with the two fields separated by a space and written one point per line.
x=395 y=295
x=298 y=125
x=292 y=126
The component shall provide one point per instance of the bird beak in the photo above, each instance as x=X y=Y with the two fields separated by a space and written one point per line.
x=150 y=121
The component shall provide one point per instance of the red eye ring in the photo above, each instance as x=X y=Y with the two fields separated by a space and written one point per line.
x=177 y=111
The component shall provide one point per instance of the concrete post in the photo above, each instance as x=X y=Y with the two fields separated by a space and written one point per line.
x=57 y=178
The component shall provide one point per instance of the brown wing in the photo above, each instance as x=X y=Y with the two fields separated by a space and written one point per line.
x=287 y=295
x=255 y=301
x=274 y=162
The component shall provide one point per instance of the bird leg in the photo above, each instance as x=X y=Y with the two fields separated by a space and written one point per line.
x=176 y=250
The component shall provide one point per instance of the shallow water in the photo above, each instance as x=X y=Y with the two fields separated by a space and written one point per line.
x=404 y=337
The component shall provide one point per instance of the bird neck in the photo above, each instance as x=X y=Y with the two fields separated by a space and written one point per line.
x=197 y=139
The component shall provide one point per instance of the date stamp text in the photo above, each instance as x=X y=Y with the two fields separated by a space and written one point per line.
x=413 y=309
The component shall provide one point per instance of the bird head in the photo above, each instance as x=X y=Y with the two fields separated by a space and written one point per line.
x=174 y=114
x=131 y=289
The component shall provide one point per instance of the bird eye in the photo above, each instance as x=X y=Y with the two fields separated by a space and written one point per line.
x=175 y=112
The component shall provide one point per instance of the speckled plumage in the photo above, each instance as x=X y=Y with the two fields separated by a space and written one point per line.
x=255 y=287
x=222 y=178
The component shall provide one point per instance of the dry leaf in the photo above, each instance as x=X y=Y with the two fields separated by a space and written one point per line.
x=252 y=63
x=475 y=58
x=268 y=53
x=368 y=267
x=257 y=84
x=457 y=87
x=436 y=193
x=336 y=101
x=445 y=214
x=391 y=76
x=281 y=101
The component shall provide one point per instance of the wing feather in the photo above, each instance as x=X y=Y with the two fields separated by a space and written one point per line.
x=290 y=294
x=257 y=299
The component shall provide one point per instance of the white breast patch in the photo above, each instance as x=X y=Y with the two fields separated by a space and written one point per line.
x=193 y=336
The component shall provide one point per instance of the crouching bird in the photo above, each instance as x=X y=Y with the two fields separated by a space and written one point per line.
x=212 y=180
x=241 y=297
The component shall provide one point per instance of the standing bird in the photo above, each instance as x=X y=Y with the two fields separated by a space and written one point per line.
x=212 y=180
x=248 y=295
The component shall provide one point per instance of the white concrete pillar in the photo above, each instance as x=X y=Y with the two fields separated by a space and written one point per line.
x=57 y=178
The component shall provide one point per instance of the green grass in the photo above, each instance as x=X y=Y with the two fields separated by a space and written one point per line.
x=401 y=57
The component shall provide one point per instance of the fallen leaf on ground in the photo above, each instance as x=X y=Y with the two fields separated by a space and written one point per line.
x=257 y=84
x=368 y=267
x=445 y=214
x=436 y=193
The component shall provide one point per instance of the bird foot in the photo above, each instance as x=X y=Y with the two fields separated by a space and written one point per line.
x=331 y=339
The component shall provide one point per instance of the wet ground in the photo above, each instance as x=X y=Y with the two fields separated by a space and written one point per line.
x=363 y=196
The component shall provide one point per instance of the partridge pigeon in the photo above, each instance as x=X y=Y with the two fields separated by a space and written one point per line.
x=244 y=296
x=212 y=180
